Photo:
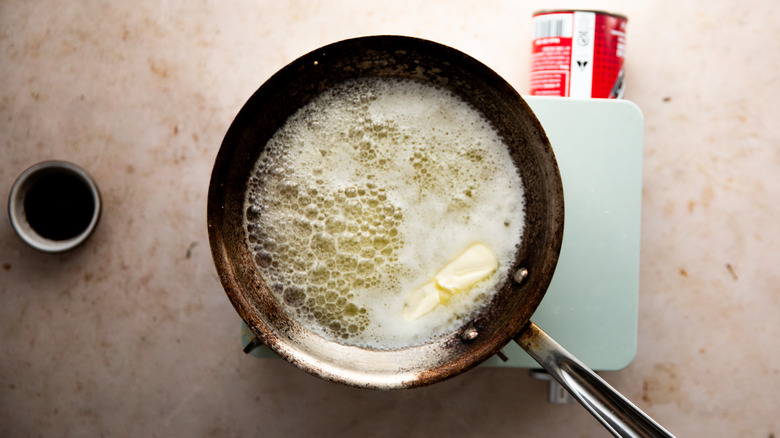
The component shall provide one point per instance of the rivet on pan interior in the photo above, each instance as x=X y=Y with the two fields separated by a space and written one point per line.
x=469 y=334
x=520 y=275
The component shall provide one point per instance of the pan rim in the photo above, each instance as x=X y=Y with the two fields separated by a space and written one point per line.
x=248 y=309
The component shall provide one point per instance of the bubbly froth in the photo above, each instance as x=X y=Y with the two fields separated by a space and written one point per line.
x=365 y=193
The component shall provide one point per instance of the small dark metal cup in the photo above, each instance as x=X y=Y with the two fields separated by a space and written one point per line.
x=54 y=206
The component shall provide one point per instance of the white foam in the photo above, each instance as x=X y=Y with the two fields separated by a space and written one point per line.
x=418 y=149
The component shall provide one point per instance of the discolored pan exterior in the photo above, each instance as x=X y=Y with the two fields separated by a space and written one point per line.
x=295 y=86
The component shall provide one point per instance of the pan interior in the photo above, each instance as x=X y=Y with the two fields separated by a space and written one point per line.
x=398 y=57
x=366 y=193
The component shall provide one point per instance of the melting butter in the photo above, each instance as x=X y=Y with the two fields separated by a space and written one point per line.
x=473 y=265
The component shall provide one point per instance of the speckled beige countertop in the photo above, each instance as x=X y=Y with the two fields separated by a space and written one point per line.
x=131 y=335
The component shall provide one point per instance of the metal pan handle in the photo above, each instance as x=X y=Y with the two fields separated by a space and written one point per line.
x=614 y=411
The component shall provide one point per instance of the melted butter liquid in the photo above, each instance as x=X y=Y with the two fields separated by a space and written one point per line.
x=367 y=192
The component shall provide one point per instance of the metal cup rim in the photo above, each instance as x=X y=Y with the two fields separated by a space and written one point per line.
x=16 y=212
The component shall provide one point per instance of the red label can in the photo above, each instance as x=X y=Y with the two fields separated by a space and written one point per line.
x=578 y=54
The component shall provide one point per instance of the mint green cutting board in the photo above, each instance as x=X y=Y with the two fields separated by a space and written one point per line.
x=591 y=305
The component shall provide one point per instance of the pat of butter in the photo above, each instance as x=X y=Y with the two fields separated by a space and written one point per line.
x=421 y=301
x=467 y=269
